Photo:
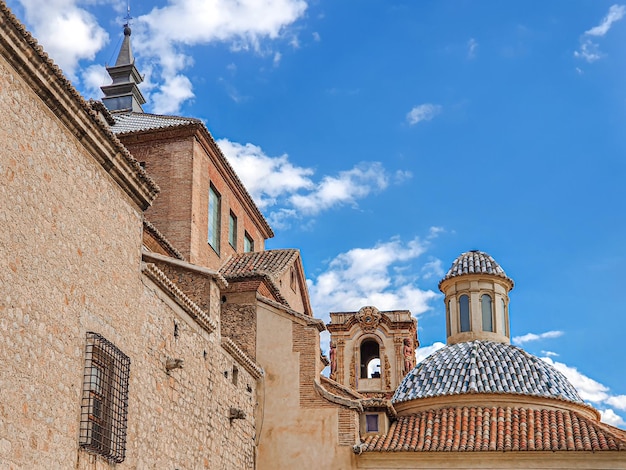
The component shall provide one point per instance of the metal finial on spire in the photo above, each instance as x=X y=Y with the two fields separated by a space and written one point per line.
x=127 y=30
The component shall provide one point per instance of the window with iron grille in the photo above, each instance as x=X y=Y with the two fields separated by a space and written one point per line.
x=104 y=405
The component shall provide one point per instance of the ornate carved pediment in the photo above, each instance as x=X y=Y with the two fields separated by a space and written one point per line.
x=369 y=318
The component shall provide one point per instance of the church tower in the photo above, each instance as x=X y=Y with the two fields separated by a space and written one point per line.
x=124 y=94
x=476 y=293
x=371 y=351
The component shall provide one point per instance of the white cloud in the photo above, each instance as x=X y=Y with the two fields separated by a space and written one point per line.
x=166 y=32
x=588 y=388
x=610 y=417
x=364 y=276
x=549 y=353
x=432 y=268
x=277 y=57
x=266 y=178
x=423 y=112
x=617 y=401
x=616 y=13
x=424 y=351
x=590 y=50
x=316 y=36
x=93 y=77
x=345 y=188
x=535 y=337
x=68 y=33
x=288 y=191
x=472 y=46
x=173 y=91
x=593 y=391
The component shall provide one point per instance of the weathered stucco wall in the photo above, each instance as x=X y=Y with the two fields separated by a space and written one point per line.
x=298 y=428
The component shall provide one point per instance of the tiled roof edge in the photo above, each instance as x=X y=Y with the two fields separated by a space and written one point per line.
x=188 y=305
x=265 y=277
x=331 y=397
x=242 y=358
x=356 y=395
x=82 y=121
x=149 y=256
x=158 y=235
x=311 y=321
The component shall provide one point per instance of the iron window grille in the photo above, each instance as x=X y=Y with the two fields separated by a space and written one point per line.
x=104 y=406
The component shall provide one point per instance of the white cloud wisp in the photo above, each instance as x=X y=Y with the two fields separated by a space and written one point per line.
x=589 y=50
x=289 y=191
x=528 y=337
x=616 y=13
x=364 y=276
x=423 y=112
x=593 y=391
x=70 y=33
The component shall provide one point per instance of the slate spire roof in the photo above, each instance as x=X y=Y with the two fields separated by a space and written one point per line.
x=484 y=367
x=124 y=93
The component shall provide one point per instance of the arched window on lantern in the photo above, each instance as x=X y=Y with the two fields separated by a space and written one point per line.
x=464 y=313
x=487 y=311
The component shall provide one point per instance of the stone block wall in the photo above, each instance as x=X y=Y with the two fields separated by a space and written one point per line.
x=70 y=258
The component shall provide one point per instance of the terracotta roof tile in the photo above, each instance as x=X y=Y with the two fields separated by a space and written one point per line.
x=459 y=429
x=269 y=262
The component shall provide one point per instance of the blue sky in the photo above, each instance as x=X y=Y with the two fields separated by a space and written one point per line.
x=384 y=138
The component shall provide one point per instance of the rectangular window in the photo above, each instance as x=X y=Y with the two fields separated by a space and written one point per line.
x=215 y=207
x=232 y=230
x=248 y=243
x=371 y=423
x=104 y=405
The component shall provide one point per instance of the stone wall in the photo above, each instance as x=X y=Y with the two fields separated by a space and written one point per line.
x=70 y=253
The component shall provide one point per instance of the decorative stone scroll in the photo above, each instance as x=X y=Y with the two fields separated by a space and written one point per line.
x=387 y=373
x=369 y=318
x=353 y=372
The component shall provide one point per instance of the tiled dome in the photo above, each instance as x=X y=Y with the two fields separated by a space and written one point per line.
x=475 y=262
x=484 y=367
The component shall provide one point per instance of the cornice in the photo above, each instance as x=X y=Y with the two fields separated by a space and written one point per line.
x=162 y=281
x=242 y=358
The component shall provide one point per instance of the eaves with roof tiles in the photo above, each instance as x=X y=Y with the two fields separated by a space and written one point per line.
x=484 y=429
x=270 y=262
x=46 y=79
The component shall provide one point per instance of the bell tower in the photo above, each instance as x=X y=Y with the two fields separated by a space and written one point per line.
x=371 y=351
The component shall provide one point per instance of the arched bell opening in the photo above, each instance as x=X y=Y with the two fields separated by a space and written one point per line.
x=370 y=357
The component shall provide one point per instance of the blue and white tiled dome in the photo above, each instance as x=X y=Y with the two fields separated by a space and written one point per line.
x=484 y=367
x=475 y=262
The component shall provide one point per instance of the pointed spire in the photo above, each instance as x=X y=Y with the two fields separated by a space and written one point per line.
x=125 y=56
x=124 y=94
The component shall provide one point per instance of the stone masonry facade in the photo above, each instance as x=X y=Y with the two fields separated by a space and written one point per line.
x=71 y=254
